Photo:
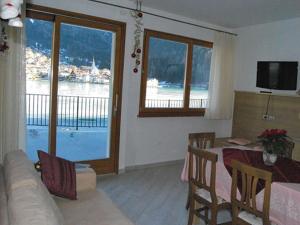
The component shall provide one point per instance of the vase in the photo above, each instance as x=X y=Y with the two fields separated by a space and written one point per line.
x=269 y=158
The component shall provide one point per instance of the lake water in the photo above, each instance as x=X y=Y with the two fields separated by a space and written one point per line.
x=102 y=90
x=68 y=88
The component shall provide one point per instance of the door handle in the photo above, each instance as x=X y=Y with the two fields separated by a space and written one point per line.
x=116 y=105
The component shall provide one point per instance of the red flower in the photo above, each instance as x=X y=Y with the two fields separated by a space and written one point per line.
x=272 y=133
x=283 y=132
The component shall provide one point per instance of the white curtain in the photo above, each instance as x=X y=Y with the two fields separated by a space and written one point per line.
x=220 y=95
x=12 y=93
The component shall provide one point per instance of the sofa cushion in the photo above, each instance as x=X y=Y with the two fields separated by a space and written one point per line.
x=19 y=171
x=3 y=200
x=32 y=206
x=58 y=175
x=90 y=208
x=29 y=202
x=85 y=179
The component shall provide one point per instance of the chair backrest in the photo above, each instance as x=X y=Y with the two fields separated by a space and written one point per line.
x=288 y=153
x=198 y=165
x=202 y=140
x=250 y=177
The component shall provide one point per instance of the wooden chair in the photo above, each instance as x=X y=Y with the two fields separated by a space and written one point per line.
x=244 y=210
x=289 y=150
x=201 y=141
x=201 y=192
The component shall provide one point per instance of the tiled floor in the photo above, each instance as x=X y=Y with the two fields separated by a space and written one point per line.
x=152 y=196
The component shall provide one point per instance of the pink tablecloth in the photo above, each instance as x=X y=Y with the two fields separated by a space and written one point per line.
x=285 y=197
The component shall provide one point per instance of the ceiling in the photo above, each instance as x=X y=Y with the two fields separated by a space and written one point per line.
x=230 y=13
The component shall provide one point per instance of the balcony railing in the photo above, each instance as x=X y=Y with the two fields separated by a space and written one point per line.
x=72 y=111
x=76 y=111
x=170 y=103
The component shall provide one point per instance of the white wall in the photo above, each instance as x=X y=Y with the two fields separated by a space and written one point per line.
x=147 y=140
x=278 y=41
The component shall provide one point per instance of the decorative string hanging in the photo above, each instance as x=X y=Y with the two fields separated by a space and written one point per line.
x=137 y=50
x=3 y=39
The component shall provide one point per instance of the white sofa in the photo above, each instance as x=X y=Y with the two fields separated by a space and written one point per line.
x=24 y=200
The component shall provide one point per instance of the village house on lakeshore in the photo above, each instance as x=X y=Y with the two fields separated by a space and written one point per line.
x=38 y=67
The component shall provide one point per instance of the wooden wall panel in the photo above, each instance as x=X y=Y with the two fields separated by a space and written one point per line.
x=249 y=108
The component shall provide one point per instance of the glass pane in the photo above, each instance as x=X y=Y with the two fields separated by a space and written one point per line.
x=166 y=73
x=84 y=93
x=38 y=64
x=200 y=76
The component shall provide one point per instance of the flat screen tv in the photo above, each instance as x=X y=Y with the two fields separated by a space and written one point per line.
x=277 y=75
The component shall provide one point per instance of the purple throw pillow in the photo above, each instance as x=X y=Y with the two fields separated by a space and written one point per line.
x=58 y=175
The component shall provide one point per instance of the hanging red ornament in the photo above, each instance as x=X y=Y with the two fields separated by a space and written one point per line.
x=3 y=40
x=4 y=47
x=140 y=14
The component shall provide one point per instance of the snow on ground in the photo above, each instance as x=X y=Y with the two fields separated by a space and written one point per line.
x=72 y=144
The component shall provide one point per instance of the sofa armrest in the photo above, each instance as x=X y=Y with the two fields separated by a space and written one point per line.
x=85 y=179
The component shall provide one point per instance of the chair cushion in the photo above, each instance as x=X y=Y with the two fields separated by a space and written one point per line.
x=206 y=195
x=251 y=219
x=58 y=175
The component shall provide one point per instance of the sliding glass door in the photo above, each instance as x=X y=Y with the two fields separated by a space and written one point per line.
x=76 y=112
x=84 y=90
x=38 y=77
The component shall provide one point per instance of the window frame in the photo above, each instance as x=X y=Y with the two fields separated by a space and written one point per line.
x=170 y=112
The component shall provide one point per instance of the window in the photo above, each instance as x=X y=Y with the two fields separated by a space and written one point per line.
x=175 y=75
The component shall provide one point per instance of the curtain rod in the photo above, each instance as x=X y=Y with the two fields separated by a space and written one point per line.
x=164 y=17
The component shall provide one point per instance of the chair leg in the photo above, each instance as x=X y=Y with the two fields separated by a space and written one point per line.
x=191 y=211
x=234 y=214
x=213 y=216
x=206 y=216
x=187 y=205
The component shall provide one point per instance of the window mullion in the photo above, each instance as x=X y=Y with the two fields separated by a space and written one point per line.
x=54 y=85
x=144 y=72
x=188 y=76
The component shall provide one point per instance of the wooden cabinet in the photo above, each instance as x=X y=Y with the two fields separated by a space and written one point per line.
x=249 y=108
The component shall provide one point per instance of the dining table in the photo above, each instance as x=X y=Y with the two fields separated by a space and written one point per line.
x=285 y=196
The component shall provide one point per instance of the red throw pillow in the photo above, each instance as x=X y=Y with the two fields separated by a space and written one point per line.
x=58 y=175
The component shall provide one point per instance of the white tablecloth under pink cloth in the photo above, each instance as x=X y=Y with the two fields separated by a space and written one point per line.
x=285 y=197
